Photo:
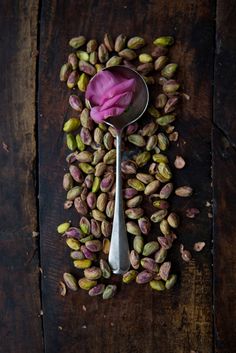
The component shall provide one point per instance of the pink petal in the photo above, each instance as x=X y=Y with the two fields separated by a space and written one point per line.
x=99 y=116
x=127 y=85
x=121 y=100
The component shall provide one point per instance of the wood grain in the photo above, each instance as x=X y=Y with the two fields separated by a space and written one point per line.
x=138 y=320
x=19 y=262
x=224 y=169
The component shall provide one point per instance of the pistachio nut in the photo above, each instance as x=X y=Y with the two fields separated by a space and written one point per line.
x=87 y=253
x=144 y=178
x=159 y=51
x=109 y=291
x=170 y=87
x=86 y=284
x=144 y=277
x=151 y=143
x=160 y=62
x=165 y=119
x=73 y=243
x=93 y=245
x=164 y=227
x=97 y=157
x=166 y=190
x=95 y=228
x=107 y=182
x=83 y=56
x=74 y=232
x=86 y=168
x=134 y=259
x=128 y=167
x=165 y=242
x=83 y=82
x=77 y=42
x=134 y=213
x=142 y=158
x=136 y=184
x=135 y=201
x=169 y=70
x=108 y=140
x=92 y=273
x=108 y=41
x=97 y=290
x=106 y=246
x=98 y=215
x=131 y=129
x=165 y=41
x=106 y=228
x=157 y=285
x=102 y=202
x=73 y=193
x=113 y=61
x=184 y=191
x=137 y=140
x=173 y=220
x=70 y=281
x=163 y=142
x=144 y=225
x=129 y=193
x=92 y=45
x=161 y=204
x=145 y=58
x=136 y=42
x=133 y=228
x=155 y=114
x=91 y=200
x=93 y=59
x=100 y=169
x=160 y=101
x=171 y=281
x=145 y=69
x=158 y=216
x=63 y=227
x=79 y=142
x=150 y=128
x=86 y=136
x=171 y=104
x=129 y=276
x=149 y=264
x=165 y=171
x=110 y=157
x=160 y=255
x=84 y=225
x=103 y=53
x=81 y=206
x=120 y=42
x=138 y=244
x=71 y=125
x=67 y=182
x=110 y=208
x=96 y=184
x=105 y=268
x=77 y=255
x=75 y=102
x=65 y=72
x=98 y=135
x=150 y=248
x=127 y=54
x=152 y=187
x=84 y=157
x=165 y=270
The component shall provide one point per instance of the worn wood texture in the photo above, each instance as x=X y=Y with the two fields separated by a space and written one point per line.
x=19 y=262
x=137 y=320
x=224 y=171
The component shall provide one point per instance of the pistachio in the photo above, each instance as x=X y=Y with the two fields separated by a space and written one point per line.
x=72 y=79
x=75 y=102
x=138 y=244
x=160 y=158
x=113 y=61
x=150 y=80
x=161 y=204
x=105 y=268
x=67 y=182
x=149 y=129
x=165 y=119
x=151 y=143
x=171 y=281
x=77 y=42
x=144 y=277
x=112 y=130
x=108 y=41
x=165 y=171
x=152 y=168
x=149 y=264
x=100 y=169
x=110 y=157
x=102 y=53
x=70 y=141
x=87 y=253
x=164 y=227
x=84 y=225
x=129 y=276
x=70 y=281
x=91 y=200
x=83 y=82
x=152 y=187
x=134 y=213
x=179 y=162
x=133 y=228
x=173 y=220
x=174 y=136
x=136 y=184
x=98 y=136
x=62 y=288
x=93 y=245
x=85 y=119
x=145 y=68
x=170 y=87
x=71 y=157
x=65 y=72
x=127 y=54
x=135 y=201
x=157 y=285
x=92 y=45
x=136 y=42
x=86 y=284
x=85 y=239
x=85 y=136
x=68 y=204
x=79 y=142
x=184 y=191
x=83 y=56
x=95 y=228
x=108 y=140
x=166 y=191
x=199 y=246
x=63 y=227
x=142 y=158
x=158 y=216
x=120 y=42
x=84 y=157
x=97 y=157
x=96 y=184
x=185 y=254
x=80 y=206
x=77 y=255
x=73 y=193
x=106 y=228
x=150 y=248
x=134 y=259
x=102 y=202
x=110 y=208
x=145 y=58
x=144 y=178
x=84 y=193
x=164 y=41
x=92 y=273
x=74 y=232
x=129 y=193
x=99 y=67
x=160 y=101
x=71 y=125
x=73 y=243
x=165 y=242
x=160 y=62
x=97 y=290
x=159 y=51
x=169 y=70
x=93 y=59
x=107 y=182
x=109 y=291
x=162 y=81
x=165 y=270
x=137 y=140
x=98 y=215
x=86 y=168
x=106 y=246
x=160 y=255
x=128 y=167
x=144 y=225
x=170 y=105
x=131 y=129
x=163 y=142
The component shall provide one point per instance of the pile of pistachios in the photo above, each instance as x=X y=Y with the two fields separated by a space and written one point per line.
x=147 y=175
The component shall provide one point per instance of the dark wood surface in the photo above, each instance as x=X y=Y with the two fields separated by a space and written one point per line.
x=199 y=314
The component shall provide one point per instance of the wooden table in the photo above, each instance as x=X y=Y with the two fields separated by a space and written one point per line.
x=199 y=314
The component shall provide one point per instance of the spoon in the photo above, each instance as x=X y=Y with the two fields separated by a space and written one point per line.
x=119 y=247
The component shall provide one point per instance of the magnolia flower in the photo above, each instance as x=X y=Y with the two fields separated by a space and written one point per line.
x=109 y=95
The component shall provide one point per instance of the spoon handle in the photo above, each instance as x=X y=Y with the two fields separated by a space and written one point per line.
x=119 y=248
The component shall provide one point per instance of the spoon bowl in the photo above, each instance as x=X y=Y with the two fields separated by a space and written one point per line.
x=119 y=248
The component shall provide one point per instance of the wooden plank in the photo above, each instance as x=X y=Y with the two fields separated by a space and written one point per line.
x=224 y=171
x=19 y=262
x=137 y=320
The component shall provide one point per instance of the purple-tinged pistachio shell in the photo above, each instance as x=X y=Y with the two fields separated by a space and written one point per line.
x=133 y=228
x=77 y=255
x=97 y=290
x=135 y=201
x=81 y=206
x=165 y=242
x=91 y=200
x=106 y=228
x=132 y=128
x=74 y=232
x=109 y=291
x=129 y=193
x=67 y=182
x=84 y=225
x=171 y=104
x=160 y=255
x=144 y=225
x=129 y=276
x=134 y=259
x=76 y=173
x=165 y=270
x=128 y=167
x=93 y=245
x=144 y=277
x=92 y=273
x=105 y=268
x=134 y=213
x=149 y=264
x=95 y=228
x=110 y=208
x=107 y=182
x=166 y=191
x=75 y=102
x=88 y=181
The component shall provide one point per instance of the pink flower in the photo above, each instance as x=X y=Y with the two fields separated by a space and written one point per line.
x=109 y=95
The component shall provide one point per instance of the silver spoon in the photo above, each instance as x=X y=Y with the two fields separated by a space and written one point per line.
x=119 y=248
